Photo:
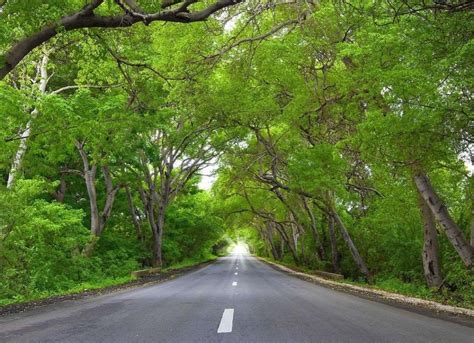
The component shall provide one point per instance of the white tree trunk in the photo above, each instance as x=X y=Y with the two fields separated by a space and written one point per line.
x=442 y=215
x=20 y=153
x=431 y=265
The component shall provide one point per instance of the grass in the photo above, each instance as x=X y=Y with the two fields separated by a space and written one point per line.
x=189 y=263
x=80 y=288
x=103 y=283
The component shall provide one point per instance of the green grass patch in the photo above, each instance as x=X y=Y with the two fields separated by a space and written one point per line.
x=190 y=262
x=82 y=287
x=103 y=283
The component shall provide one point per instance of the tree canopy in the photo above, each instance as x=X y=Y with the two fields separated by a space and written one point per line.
x=340 y=133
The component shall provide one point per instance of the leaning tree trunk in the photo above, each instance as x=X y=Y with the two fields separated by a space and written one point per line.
x=454 y=234
x=352 y=248
x=431 y=265
x=20 y=153
x=269 y=235
x=335 y=257
x=317 y=238
x=294 y=239
x=286 y=240
x=295 y=235
x=267 y=243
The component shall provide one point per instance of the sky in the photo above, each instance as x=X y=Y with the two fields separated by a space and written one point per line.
x=208 y=177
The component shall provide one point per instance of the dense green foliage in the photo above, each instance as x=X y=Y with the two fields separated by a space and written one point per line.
x=342 y=132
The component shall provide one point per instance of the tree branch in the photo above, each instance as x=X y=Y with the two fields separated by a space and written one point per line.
x=86 y=18
x=62 y=89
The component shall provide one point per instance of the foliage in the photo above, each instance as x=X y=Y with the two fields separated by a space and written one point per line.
x=318 y=116
x=40 y=242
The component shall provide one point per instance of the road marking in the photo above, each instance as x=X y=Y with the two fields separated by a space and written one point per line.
x=236 y=273
x=237 y=268
x=225 y=325
x=234 y=283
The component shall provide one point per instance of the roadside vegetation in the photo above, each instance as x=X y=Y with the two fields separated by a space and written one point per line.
x=341 y=134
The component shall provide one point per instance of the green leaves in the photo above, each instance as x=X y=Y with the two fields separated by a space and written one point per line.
x=317 y=169
x=38 y=239
x=341 y=106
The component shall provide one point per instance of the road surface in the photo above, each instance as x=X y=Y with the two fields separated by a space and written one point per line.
x=236 y=299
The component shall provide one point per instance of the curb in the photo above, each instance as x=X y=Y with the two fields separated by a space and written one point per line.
x=379 y=295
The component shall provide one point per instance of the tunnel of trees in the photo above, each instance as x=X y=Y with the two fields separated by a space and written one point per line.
x=340 y=135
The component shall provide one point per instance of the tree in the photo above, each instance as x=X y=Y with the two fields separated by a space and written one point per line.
x=88 y=17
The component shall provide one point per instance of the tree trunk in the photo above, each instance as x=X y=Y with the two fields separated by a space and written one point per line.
x=274 y=249
x=133 y=214
x=20 y=153
x=111 y=193
x=267 y=242
x=149 y=205
x=472 y=233
x=89 y=176
x=90 y=246
x=441 y=214
x=353 y=249
x=295 y=236
x=282 y=248
x=158 y=239
x=431 y=265
x=42 y=68
x=335 y=257
x=98 y=219
x=269 y=234
x=264 y=238
x=317 y=238
x=61 y=192
x=471 y=190
x=286 y=240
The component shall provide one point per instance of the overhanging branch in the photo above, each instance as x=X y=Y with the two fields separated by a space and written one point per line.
x=86 y=18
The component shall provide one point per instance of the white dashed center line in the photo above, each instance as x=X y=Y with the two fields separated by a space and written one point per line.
x=236 y=273
x=226 y=322
x=234 y=283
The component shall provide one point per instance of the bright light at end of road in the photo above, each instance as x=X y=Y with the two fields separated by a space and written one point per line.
x=240 y=248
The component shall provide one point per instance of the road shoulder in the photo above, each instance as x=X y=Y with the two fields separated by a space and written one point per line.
x=433 y=309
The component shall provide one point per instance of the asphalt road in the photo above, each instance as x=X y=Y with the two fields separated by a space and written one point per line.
x=236 y=299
